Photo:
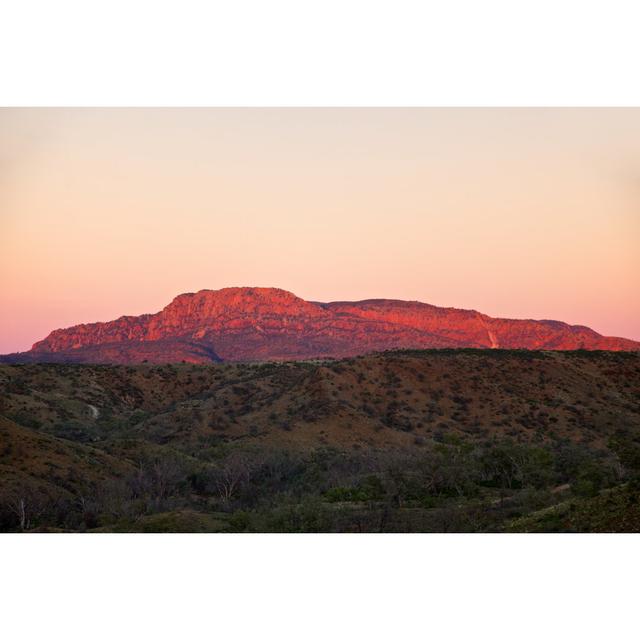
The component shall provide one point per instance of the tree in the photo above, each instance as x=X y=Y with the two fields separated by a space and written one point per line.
x=232 y=474
x=27 y=506
x=628 y=452
x=159 y=478
x=18 y=505
x=503 y=465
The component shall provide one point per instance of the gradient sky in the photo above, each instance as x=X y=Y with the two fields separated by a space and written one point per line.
x=521 y=213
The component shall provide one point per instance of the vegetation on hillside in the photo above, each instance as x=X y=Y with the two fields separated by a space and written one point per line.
x=445 y=440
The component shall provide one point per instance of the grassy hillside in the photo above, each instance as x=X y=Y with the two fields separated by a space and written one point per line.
x=443 y=440
x=615 y=510
x=45 y=478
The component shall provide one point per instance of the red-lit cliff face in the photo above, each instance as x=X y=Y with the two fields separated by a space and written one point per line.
x=262 y=324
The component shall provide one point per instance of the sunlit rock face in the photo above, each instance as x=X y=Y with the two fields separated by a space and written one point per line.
x=249 y=323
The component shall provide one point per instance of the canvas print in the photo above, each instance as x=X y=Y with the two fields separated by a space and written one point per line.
x=319 y=320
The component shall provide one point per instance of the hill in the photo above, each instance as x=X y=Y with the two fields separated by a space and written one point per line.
x=423 y=440
x=48 y=478
x=259 y=324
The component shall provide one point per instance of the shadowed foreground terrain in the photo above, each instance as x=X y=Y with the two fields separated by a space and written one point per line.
x=439 y=440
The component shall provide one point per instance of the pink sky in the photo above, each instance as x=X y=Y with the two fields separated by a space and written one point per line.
x=522 y=213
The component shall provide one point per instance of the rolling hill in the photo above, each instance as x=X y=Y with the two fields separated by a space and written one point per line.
x=419 y=440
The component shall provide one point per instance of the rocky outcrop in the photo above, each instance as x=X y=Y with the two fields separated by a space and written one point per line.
x=263 y=323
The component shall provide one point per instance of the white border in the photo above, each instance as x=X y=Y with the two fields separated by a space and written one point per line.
x=329 y=52
x=319 y=586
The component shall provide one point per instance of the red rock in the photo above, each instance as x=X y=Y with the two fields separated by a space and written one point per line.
x=263 y=323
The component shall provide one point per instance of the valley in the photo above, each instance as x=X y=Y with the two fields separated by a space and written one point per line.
x=401 y=440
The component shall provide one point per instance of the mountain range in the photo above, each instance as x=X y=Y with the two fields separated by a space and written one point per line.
x=257 y=324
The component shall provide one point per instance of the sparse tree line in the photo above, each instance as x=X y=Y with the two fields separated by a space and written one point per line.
x=451 y=485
